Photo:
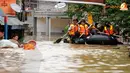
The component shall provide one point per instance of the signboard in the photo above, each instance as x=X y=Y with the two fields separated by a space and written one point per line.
x=95 y=2
x=5 y=6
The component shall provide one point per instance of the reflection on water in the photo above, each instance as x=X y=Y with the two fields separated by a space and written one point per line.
x=68 y=58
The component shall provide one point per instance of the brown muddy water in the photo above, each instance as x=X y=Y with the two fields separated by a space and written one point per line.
x=65 y=58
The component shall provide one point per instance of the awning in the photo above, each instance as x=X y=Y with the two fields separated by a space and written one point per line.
x=11 y=21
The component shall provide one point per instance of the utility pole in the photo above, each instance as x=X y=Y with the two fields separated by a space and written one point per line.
x=6 y=28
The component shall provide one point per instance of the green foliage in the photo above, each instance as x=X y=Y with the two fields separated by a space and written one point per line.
x=17 y=1
x=115 y=15
x=79 y=9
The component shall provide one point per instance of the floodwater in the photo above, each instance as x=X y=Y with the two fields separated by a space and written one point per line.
x=65 y=58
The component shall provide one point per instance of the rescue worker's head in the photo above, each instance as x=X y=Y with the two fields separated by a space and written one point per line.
x=75 y=21
x=96 y=25
x=83 y=22
x=108 y=24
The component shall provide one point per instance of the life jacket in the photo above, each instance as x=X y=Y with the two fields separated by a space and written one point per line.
x=76 y=27
x=83 y=29
x=72 y=30
x=29 y=46
x=110 y=31
x=93 y=27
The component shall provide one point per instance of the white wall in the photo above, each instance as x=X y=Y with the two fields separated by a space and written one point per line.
x=57 y=24
x=41 y=25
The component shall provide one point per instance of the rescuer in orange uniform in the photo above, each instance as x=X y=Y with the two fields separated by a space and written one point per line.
x=73 y=29
x=93 y=29
x=83 y=29
x=108 y=29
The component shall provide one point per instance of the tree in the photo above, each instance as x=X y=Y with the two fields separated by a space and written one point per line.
x=79 y=9
x=113 y=13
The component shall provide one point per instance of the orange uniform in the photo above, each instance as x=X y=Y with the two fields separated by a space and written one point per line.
x=108 y=31
x=71 y=30
x=30 y=45
x=76 y=27
x=84 y=29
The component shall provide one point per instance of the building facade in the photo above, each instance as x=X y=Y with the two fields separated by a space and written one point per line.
x=48 y=19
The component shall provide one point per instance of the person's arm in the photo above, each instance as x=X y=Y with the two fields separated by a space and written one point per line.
x=69 y=28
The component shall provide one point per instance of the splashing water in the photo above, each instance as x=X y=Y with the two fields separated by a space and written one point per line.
x=70 y=58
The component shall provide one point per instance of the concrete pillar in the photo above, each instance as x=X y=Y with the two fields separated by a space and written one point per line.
x=34 y=26
x=49 y=29
x=47 y=25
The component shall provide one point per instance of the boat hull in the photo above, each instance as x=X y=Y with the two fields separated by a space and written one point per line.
x=96 y=39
